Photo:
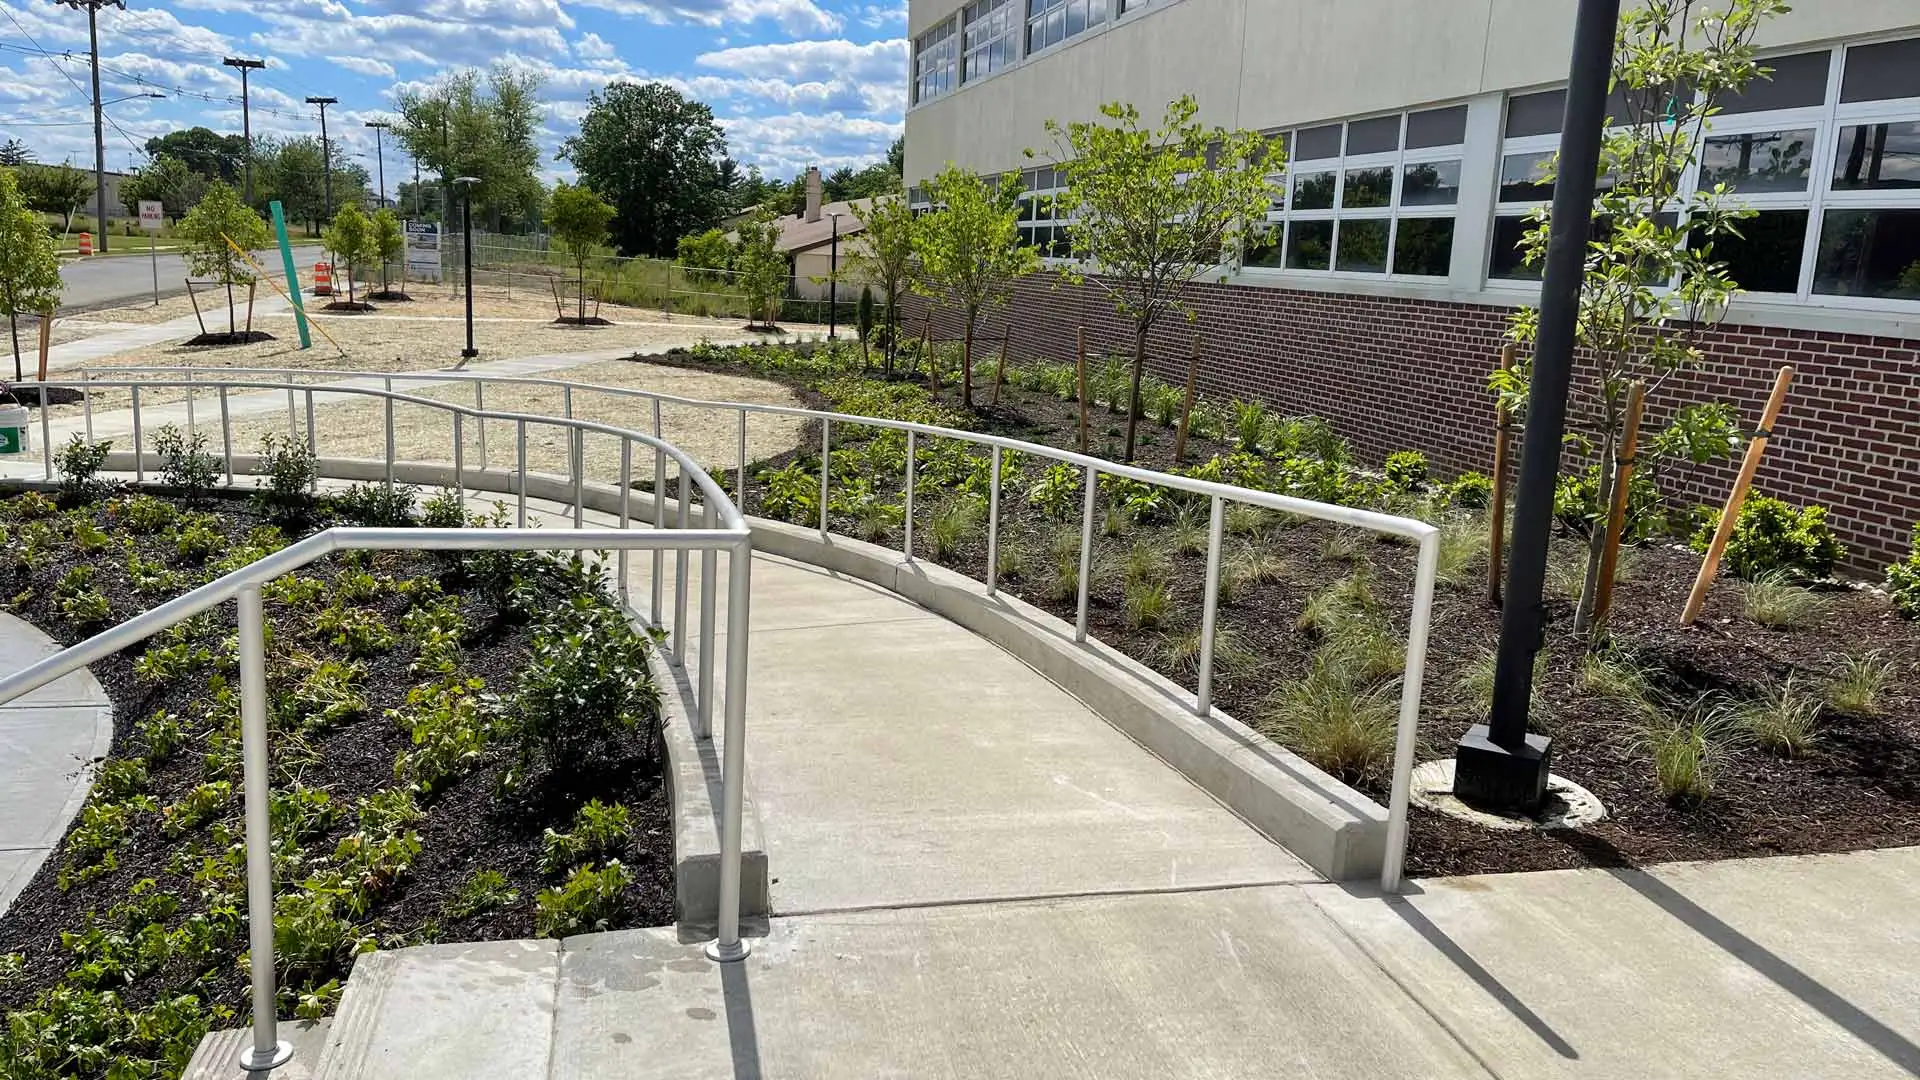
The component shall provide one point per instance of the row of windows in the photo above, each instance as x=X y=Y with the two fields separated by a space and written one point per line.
x=987 y=41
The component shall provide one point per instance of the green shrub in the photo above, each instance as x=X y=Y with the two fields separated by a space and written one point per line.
x=198 y=539
x=196 y=808
x=79 y=463
x=586 y=685
x=375 y=505
x=599 y=829
x=485 y=891
x=446 y=510
x=185 y=463
x=1903 y=580
x=1407 y=470
x=163 y=734
x=291 y=473
x=145 y=514
x=589 y=901
x=1470 y=491
x=1772 y=536
x=793 y=494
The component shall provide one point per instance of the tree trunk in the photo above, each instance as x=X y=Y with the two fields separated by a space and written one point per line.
x=893 y=337
x=966 y=365
x=583 y=290
x=13 y=324
x=1000 y=372
x=1133 y=392
x=230 y=326
x=1597 y=539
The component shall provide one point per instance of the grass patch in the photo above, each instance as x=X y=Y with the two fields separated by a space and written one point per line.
x=1856 y=689
x=1775 y=602
x=1341 y=727
x=1782 y=719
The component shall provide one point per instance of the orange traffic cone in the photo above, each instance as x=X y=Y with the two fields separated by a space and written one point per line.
x=323 y=279
x=86 y=243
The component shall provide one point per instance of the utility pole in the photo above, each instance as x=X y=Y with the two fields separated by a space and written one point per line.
x=1497 y=765
x=326 y=153
x=92 y=8
x=380 y=157
x=246 y=112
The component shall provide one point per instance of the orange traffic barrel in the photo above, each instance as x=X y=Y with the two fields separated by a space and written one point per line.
x=323 y=279
x=86 y=243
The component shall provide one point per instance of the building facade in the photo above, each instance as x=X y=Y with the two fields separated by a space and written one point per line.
x=1412 y=134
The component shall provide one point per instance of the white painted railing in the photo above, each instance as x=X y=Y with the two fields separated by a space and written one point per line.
x=725 y=529
x=1422 y=534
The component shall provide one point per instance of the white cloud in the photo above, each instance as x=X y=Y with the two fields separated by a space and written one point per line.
x=794 y=16
x=875 y=16
x=364 y=65
x=592 y=46
x=783 y=145
x=817 y=61
x=481 y=12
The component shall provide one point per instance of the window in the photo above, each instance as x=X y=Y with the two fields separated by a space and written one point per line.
x=934 y=56
x=1042 y=224
x=1050 y=22
x=987 y=42
x=1373 y=196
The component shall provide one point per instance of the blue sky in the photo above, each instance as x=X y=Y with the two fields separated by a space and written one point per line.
x=794 y=82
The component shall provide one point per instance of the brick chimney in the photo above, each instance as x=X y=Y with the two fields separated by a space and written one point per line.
x=813 y=193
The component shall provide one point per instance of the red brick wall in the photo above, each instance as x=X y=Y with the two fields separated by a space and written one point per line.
x=1393 y=373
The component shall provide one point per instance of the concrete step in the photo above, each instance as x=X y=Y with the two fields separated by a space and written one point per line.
x=218 y=1056
x=446 y=1012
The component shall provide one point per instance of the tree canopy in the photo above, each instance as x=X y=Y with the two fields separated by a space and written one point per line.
x=56 y=189
x=352 y=241
x=761 y=270
x=969 y=249
x=207 y=152
x=486 y=126
x=883 y=256
x=292 y=171
x=14 y=153
x=655 y=154
x=29 y=270
x=578 y=218
x=169 y=181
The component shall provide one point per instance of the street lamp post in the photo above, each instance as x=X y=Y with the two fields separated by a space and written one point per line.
x=99 y=116
x=465 y=184
x=833 y=281
x=1498 y=765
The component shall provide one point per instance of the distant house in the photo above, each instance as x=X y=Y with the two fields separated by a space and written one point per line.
x=806 y=238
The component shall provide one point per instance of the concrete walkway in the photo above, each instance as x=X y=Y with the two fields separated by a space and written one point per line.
x=48 y=742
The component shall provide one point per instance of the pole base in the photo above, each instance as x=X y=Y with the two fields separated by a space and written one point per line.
x=727 y=954
x=250 y=1061
x=468 y=354
x=1492 y=777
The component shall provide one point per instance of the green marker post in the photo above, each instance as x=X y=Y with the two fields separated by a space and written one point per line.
x=293 y=278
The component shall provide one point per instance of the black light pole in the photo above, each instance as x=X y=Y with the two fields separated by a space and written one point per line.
x=326 y=152
x=246 y=112
x=833 y=282
x=1497 y=765
x=466 y=255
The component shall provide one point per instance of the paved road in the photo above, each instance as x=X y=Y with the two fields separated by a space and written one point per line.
x=101 y=282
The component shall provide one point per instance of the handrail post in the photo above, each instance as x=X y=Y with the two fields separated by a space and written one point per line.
x=520 y=471
x=313 y=440
x=626 y=496
x=658 y=612
x=740 y=485
x=293 y=416
x=578 y=465
x=226 y=433
x=1210 y=607
x=709 y=570
x=390 y=450
x=139 y=459
x=1419 y=626
x=190 y=426
x=46 y=434
x=727 y=945
x=1086 y=554
x=826 y=460
x=993 y=528
x=459 y=458
x=566 y=402
x=908 y=544
x=86 y=403
x=480 y=405
x=268 y=1051
x=680 y=578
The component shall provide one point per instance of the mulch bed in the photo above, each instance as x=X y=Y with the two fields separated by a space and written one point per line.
x=236 y=337
x=468 y=825
x=575 y=320
x=1858 y=787
x=351 y=306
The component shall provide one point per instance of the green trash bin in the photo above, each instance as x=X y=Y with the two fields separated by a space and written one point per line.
x=14 y=424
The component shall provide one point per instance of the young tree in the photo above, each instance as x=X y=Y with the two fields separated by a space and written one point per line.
x=706 y=254
x=578 y=217
x=221 y=218
x=1157 y=209
x=761 y=268
x=883 y=256
x=168 y=181
x=655 y=154
x=350 y=238
x=14 y=153
x=483 y=126
x=57 y=189
x=389 y=245
x=1652 y=286
x=29 y=270
x=970 y=251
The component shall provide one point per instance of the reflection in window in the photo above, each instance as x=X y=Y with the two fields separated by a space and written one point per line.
x=1310 y=245
x=1363 y=246
x=1265 y=249
x=1877 y=156
x=1765 y=257
x=1313 y=191
x=934 y=54
x=1522 y=178
x=1430 y=183
x=1869 y=253
x=1423 y=246
x=1508 y=261
x=1368 y=187
x=1758 y=161
x=987 y=38
x=1050 y=22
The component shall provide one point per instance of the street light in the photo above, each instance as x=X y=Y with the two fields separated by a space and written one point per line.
x=465 y=184
x=130 y=97
x=833 y=281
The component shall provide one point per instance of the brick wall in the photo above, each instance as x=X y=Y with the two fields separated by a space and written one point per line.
x=1395 y=373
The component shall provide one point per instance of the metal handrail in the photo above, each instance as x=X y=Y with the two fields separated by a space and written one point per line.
x=726 y=529
x=1423 y=534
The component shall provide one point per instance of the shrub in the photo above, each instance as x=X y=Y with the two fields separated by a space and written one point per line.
x=952 y=524
x=1576 y=504
x=375 y=505
x=1058 y=492
x=146 y=515
x=586 y=685
x=485 y=891
x=196 y=808
x=446 y=510
x=589 y=901
x=1772 y=536
x=793 y=494
x=1856 y=689
x=1782 y=719
x=1470 y=491
x=1407 y=470
x=599 y=829
x=1336 y=725
x=291 y=473
x=185 y=463
x=1687 y=750
x=1775 y=602
x=1903 y=580
x=79 y=463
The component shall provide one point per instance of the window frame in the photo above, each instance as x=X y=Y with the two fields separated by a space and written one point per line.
x=948 y=42
x=1010 y=33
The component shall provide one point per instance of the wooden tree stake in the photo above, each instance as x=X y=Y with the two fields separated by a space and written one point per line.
x=1000 y=373
x=46 y=341
x=1617 y=512
x=1497 y=518
x=1730 y=515
x=1081 y=372
x=1186 y=403
x=926 y=350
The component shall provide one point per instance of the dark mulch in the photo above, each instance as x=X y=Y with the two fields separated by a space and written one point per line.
x=1859 y=787
x=390 y=296
x=468 y=825
x=576 y=320
x=349 y=306
x=235 y=337
x=56 y=395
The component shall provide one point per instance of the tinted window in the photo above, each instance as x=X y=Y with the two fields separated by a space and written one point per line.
x=1379 y=135
x=1535 y=114
x=1765 y=257
x=1437 y=127
x=1264 y=250
x=1761 y=161
x=1521 y=179
x=1313 y=191
x=1877 y=156
x=1314 y=143
x=1368 y=187
x=1309 y=245
x=1507 y=261
x=1797 y=81
x=1879 y=72
x=1430 y=183
x=1423 y=246
x=1363 y=246
x=1869 y=253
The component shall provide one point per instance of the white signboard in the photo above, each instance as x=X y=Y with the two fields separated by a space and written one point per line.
x=423 y=250
x=152 y=214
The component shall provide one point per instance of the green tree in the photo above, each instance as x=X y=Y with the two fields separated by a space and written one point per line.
x=213 y=230
x=1159 y=208
x=389 y=245
x=351 y=240
x=207 y=152
x=760 y=268
x=293 y=171
x=14 y=153
x=897 y=156
x=706 y=254
x=1651 y=287
x=56 y=189
x=487 y=127
x=29 y=270
x=168 y=181
x=578 y=218
x=969 y=250
x=655 y=154
x=882 y=255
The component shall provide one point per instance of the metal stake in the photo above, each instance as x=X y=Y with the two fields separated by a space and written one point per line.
x=993 y=528
x=1210 y=607
x=267 y=1051
x=1086 y=553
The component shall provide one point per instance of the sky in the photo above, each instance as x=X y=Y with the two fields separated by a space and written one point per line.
x=793 y=82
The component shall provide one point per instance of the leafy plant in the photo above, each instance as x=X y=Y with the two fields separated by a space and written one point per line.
x=599 y=829
x=589 y=901
x=1771 y=536
x=1781 y=719
x=1775 y=602
x=361 y=632
x=1058 y=492
x=1903 y=580
x=1470 y=491
x=445 y=510
x=291 y=472
x=1407 y=470
x=185 y=463
x=311 y=940
x=79 y=463
x=586 y=685
x=162 y=734
x=793 y=494
x=1249 y=424
x=486 y=890
x=197 y=540
x=375 y=505
x=197 y=807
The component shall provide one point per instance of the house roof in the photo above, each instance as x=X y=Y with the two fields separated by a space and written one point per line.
x=797 y=234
